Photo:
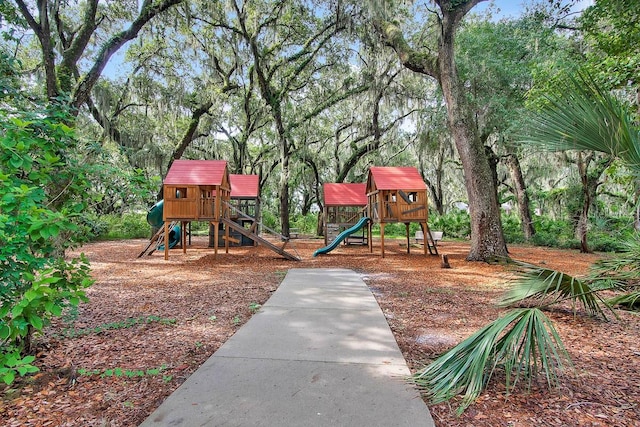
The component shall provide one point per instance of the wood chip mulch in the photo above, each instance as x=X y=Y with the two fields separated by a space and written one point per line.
x=150 y=323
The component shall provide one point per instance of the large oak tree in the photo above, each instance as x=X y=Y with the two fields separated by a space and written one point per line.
x=487 y=239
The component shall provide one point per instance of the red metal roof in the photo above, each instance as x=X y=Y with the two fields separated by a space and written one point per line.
x=244 y=186
x=345 y=194
x=396 y=178
x=196 y=172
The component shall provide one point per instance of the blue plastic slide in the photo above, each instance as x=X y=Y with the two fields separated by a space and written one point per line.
x=340 y=237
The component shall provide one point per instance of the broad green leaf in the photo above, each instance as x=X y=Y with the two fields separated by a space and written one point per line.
x=36 y=321
x=8 y=377
x=5 y=332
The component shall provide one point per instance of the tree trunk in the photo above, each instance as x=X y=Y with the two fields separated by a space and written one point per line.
x=590 y=181
x=522 y=197
x=487 y=239
x=284 y=195
x=437 y=197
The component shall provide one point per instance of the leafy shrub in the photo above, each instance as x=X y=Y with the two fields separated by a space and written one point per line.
x=125 y=226
x=610 y=234
x=306 y=224
x=42 y=194
x=554 y=233
x=270 y=220
x=456 y=225
x=512 y=229
x=395 y=230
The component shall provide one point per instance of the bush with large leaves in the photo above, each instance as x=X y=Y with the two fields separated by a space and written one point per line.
x=41 y=192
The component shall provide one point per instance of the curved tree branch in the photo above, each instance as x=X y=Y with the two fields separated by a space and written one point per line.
x=148 y=12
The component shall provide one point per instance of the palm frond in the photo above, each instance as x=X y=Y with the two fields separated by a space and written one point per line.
x=630 y=301
x=626 y=262
x=546 y=287
x=583 y=116
x=523 y=343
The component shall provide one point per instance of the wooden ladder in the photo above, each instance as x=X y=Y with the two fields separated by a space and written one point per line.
x=251 y=234
x=157 y=238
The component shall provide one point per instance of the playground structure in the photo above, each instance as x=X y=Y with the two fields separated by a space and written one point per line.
x=391 y=195
x=203 y=190
x=397 y=195
x=200 y=190
x=245 y=207
x=343 y=236
x=344 y=205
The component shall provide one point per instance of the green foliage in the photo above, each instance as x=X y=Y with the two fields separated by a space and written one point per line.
x=116 y=187
x=629 y=301
x=270 y=220
x=611 y=29
x=512 y=229
x=124 y=324
x=522 y=343
x=124 y=373
x=621 y=273
x=125 y=226
x=396 y=229
x=622 y=269
x=41 y=193
x=605 y=234
x=554 y=233
x=580 y=115
x=456 y=224
x=306 y=224
x=545 y=287
x=12 y=363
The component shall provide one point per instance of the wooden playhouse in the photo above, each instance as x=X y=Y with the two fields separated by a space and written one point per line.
x=195 y=190
x=344 y=205
x=200 y=190
x=396 y=195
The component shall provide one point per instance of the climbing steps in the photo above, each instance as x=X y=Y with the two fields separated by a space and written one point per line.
x=430 y=242
x=158 y=239
x=249 y=233
x=252 y=233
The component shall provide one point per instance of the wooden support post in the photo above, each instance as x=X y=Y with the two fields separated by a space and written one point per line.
x=426 y=241
x=382 y=237
x=215 y=239
x=226 y=239
x=445 y=262
x=406 y=224
x=166 y=240
x=369 y=236
x=183 y=237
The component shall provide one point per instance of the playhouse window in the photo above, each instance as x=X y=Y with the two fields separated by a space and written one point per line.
x=413 y=196
x=181 y=192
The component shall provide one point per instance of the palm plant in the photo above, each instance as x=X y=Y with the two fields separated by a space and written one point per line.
x=543 y=287
x=583 y=116
x=524 y=342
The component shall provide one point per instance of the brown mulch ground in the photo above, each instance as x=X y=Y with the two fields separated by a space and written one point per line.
x=150 y=323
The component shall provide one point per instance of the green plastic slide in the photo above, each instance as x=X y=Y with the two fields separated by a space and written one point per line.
x=340 y=237
x=154 y=218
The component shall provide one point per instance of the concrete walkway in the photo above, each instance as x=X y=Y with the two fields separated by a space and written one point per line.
x=318 y=353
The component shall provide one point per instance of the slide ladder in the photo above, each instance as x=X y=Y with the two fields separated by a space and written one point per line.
x=158 y=239
x=252 y=233
x=340 y=237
